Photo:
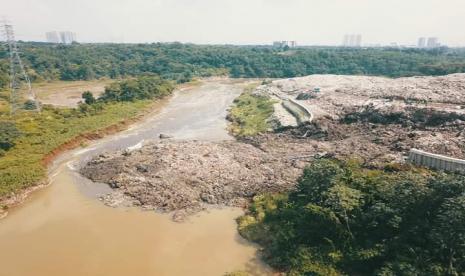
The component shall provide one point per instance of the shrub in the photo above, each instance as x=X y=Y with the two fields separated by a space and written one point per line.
x=8 y=134
x=88 y=97
x=30 y=105
x=250 y=114
x=141 y=88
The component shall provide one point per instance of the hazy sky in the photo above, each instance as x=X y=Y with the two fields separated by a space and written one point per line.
x=240 y=21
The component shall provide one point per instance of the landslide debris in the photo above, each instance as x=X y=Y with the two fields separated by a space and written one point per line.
x=185 y=176
x=337 y=93
x=375 y=120
x=378 y=119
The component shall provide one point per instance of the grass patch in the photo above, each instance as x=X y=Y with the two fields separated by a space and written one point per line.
x=21 y=166
x=250 y=114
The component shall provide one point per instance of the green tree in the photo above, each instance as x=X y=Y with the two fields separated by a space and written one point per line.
x=347 y=219
x=317 y=180
x=448 y=234
x=342 y=200
x=141 y=88
x=30 y=105
x=88 y=97
x=8 y=134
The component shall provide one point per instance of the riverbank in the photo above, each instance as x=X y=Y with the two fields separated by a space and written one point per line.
x=126 y=241
x=15 y=194
x=185 y=177
x=54 y=131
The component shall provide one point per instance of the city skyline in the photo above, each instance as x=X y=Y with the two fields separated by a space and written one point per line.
x=352 y=40
x=314 y=22
x=65 y=37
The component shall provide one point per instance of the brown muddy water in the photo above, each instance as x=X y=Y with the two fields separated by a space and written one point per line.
x=65 y=230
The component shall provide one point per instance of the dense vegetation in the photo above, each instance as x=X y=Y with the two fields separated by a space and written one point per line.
x=250 y=114
x=26 y=142
x=142 y=88
x=183 y=61
x=344 y=219
x=8 y=134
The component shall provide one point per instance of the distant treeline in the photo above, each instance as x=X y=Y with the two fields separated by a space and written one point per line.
x=181 y=62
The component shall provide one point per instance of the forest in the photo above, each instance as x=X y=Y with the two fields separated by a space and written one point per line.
x=344 y=219
x=181 y=62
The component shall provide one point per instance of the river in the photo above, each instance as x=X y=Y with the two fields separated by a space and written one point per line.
x=64 y=229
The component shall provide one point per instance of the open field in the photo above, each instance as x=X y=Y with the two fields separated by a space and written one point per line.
x=68 y=93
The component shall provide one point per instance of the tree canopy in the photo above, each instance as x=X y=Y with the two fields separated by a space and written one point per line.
x=181 y=62
x=344 y=219
x=8 y=134
x=141 y=88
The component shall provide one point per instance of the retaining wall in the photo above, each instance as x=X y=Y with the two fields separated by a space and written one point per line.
x=436 y=161
x=300 y=112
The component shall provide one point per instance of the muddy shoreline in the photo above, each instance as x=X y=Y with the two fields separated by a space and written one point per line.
x=48 y=160
x=20 y=196
x=124 y=241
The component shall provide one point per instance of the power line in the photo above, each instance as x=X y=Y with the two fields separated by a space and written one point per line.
x=18 y=75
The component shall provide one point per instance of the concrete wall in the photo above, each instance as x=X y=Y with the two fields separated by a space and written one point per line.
x=300 y=112
x=436 y=161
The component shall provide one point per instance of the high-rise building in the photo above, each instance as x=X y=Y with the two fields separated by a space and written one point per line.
x=421 y=42
x=60 y=37
x=352 y=40
x=52 y=37
x=67 y=37
x=358 y=40
x=432 y=42
x=346 y=40
x=282 y=44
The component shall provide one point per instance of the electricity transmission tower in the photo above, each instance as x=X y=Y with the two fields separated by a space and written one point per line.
x=20 y=84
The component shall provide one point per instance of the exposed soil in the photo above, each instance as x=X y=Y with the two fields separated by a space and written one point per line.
x=68 y=93
x=186 y=176
x=374 y=144
x=338 y=93
x=380 y=118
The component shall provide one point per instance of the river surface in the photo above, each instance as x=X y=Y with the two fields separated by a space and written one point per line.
x=64 y=229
